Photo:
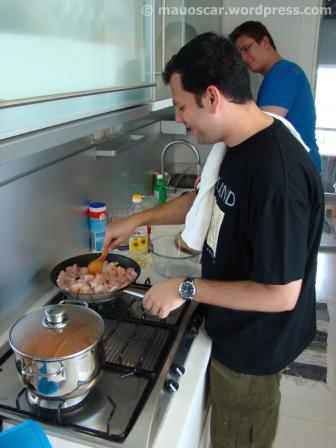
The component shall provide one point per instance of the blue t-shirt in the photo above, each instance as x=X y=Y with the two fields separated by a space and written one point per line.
x=286 y=85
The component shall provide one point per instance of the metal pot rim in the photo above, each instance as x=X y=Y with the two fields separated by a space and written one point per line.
x=46 y=359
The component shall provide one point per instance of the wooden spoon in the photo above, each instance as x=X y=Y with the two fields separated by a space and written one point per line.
x=96 y=266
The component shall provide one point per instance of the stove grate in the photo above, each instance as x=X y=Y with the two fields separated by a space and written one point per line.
x=134 y=346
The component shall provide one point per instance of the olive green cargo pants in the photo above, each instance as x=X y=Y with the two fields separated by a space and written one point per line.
x=245 y=408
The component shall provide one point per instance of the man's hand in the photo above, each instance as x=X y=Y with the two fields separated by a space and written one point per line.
x=172 y=212
x=118 y=232
x=163 y=298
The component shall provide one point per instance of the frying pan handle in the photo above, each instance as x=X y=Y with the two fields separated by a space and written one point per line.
x=134 y=292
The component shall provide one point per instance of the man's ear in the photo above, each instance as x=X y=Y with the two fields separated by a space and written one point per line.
x=212 y=98
x=265 y=42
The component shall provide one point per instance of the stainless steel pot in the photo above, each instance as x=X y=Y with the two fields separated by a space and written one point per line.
x=59 y=350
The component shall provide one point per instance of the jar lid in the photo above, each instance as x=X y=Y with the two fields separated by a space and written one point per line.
x=97 y=206
x=136 y=198
x=56 y=331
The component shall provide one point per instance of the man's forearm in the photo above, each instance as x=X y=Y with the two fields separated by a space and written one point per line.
x=248 y=295
x=172 y=212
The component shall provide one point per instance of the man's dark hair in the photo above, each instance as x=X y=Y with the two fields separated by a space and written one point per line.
x=255 y=30
x=211 y=59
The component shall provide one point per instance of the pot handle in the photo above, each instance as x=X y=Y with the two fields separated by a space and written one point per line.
x=28 y=371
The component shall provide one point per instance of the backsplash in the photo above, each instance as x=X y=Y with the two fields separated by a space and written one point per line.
x=42 y=218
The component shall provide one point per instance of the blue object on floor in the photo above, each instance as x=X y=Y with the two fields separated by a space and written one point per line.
x=28 y=435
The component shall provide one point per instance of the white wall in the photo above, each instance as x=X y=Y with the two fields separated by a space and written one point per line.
x=296 y=36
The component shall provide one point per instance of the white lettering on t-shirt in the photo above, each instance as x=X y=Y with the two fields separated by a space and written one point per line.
x=226 y=194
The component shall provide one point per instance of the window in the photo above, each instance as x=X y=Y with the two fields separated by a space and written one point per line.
x=325 y=87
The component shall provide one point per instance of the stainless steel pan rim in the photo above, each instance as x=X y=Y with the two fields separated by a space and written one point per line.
x=84 y=260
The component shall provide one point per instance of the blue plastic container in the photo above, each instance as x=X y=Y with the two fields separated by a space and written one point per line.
x=26 y=435
x=97 y=219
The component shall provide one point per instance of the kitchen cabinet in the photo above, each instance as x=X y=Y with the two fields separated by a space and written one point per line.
x=176 y=23
x=71 y=59
x=79 y=58
x=168 y=39
x=203 y=17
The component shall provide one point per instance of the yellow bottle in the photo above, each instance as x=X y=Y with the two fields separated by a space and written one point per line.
x=138 y=241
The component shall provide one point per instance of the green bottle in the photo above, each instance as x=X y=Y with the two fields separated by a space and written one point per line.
x=161 y=188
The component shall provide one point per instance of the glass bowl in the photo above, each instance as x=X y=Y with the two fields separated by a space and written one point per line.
x=172 y=260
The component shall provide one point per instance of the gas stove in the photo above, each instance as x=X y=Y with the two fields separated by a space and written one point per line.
x=144 y=357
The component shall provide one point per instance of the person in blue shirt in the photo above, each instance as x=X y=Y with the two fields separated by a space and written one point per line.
x=285 y=89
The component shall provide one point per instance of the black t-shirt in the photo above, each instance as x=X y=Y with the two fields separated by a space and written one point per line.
x=266 y=227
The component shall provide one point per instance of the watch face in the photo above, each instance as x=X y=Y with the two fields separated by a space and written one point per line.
x=187 y=290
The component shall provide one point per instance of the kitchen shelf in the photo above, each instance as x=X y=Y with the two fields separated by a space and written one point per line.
x=113 y=146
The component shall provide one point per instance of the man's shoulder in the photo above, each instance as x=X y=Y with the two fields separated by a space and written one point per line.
x=284 y=67
x=276 y=146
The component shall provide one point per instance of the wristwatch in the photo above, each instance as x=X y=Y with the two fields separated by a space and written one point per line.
x=187 y=289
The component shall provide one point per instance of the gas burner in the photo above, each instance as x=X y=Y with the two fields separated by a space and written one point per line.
x=55 y=405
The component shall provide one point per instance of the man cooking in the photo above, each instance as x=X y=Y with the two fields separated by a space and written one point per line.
x=285 y=89
x=258 y=217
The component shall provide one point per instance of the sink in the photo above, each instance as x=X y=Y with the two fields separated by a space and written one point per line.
x=182 y=180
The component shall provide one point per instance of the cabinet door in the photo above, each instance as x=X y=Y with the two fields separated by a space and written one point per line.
x=202 y=17
x=169 y=38
x=176 y=23
x=66 y=48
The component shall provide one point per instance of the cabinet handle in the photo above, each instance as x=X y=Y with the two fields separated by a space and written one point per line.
x=63 y=96
x=163 y=33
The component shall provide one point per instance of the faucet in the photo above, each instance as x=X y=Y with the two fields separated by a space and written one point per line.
x=181 y=142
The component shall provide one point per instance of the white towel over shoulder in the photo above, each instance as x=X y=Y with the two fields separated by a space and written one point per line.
x=199 y=216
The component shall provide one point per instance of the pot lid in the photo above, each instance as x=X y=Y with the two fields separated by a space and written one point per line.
x=56 y=331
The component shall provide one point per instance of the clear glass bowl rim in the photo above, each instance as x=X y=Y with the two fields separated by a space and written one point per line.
x=184 y=257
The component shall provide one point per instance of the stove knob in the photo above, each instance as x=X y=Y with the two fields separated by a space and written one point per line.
x=171 y=386
x=178 y=370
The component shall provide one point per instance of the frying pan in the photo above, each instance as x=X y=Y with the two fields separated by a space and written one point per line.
x=84 y=260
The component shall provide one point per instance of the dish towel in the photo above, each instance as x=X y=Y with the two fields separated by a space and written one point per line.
x=199 y=216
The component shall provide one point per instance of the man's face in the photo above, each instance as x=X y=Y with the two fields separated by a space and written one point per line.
x=188 y=112
x=252 y=53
